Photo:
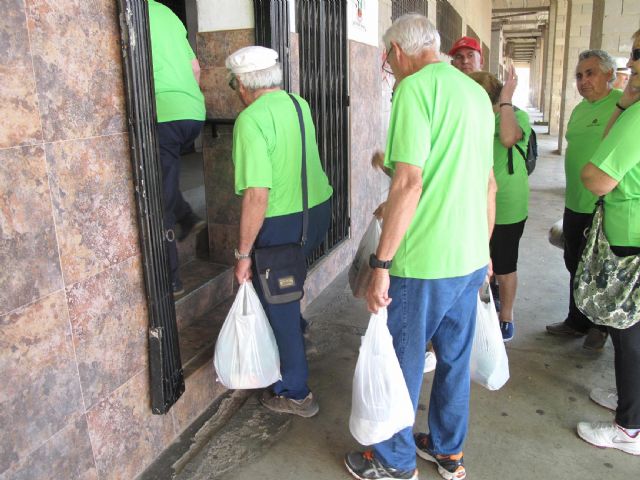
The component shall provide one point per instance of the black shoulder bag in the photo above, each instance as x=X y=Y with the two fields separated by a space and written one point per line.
x=282 y=269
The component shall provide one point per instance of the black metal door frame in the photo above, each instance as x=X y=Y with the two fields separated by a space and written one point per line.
x=167 y=377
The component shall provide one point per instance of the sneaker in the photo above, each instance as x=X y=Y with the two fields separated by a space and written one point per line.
x=609 y=435
x=562 y=329
x=429 y=362
x=307 y=407
x=507 y=329
x=191 y=224
x=364 y=466
x=595 y=340
x=177 y=288
x=605 y=397
x=450 y=467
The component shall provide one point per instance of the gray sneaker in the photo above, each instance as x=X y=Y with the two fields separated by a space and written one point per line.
x=307 y=407
x=595 y=340
x=564 y=330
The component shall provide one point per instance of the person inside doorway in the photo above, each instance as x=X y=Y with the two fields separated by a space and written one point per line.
x=180 y=113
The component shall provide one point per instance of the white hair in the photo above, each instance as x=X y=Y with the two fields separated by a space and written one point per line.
x=413 y=33
x=267 y=78
x=607 y=62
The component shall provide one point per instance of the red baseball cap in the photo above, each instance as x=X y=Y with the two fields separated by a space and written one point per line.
x=466 y=42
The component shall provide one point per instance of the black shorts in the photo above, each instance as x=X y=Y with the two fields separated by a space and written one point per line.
x=504 y=244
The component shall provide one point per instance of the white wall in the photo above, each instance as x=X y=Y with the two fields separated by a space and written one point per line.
x=216 y=15
x=363 y=28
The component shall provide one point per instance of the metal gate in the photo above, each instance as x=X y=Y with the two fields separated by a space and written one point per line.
x=167 y=378
x=272 y=31
x=400 y=7
x=322 y=29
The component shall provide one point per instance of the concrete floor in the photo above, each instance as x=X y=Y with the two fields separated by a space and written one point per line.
x=525 y=431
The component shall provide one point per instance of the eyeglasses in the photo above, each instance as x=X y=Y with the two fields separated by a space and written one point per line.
x=386 y=68
x=635 y=54
x=232 y=83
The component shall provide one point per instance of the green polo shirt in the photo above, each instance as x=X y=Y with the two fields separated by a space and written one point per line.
x=584 y=135
x=512 y=199
x=267 y=152
x=178 y=96
x=442 y=122
x=619 y=157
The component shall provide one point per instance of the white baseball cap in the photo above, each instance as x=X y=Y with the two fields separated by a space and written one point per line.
x=250 y=59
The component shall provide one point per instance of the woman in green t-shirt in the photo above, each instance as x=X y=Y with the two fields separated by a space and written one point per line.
x=512 y=199
x=614 y=173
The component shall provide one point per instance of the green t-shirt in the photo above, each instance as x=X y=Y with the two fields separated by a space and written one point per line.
x=267 y=152
x=584 y=135
x=512 y=199
x=178 y=96
x=442 y=122
x=619 y=157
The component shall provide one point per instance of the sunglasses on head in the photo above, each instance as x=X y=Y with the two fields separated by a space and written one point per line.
x=635 y=54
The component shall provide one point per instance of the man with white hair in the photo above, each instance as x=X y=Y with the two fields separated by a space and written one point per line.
x=267 y=156
x=595 y=73
x=434 y=249
x=622 y=73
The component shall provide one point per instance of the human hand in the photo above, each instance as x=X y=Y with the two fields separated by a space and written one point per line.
x=379 y=212
x=378 y=291
x=489 y=270
x=630 y=95
x=377 y=160
x=243 y=270
x=509 y=87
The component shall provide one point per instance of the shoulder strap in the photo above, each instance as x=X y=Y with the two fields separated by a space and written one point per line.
x=303 y=169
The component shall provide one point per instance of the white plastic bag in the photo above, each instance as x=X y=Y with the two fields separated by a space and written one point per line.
x=360 y=271
x=246 y=354
x=380 y=402
x=489 y=361
x=556 y=235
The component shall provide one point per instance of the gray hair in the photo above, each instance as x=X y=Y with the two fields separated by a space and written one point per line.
x=267 y=78
x=607 y=62
x=413 y=32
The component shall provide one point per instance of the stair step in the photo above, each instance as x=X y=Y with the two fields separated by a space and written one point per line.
x=206 y=284
x=197 y=340
x=194 y=246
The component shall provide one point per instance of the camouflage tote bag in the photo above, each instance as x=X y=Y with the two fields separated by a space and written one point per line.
x=607 y=287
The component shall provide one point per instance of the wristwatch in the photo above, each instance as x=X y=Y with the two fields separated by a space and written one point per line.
x=375 y=262
x=241 y=256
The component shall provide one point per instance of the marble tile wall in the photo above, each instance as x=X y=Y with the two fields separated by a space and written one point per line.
x=223 y=205
x=74 y=401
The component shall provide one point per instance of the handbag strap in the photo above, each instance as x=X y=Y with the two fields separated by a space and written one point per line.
x=305 y=199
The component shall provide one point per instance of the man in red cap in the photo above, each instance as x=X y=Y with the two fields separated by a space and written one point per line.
x=466 y=55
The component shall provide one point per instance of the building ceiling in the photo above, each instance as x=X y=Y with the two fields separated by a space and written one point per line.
x=522 y=23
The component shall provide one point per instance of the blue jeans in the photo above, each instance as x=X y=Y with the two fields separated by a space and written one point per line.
x=285 y=319
x=443 y=311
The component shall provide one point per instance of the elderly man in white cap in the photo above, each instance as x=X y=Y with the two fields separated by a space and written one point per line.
x=267 y=155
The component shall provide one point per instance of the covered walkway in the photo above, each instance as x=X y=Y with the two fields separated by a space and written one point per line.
x=525 y=431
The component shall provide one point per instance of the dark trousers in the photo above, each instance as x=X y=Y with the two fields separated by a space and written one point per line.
x=173 y=137
x=573 y=227
x=626 y=345
x=285 y=319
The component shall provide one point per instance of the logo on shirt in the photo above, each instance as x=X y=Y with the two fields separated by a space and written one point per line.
x=595 y=123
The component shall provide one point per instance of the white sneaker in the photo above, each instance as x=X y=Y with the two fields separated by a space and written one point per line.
x=609 y=435
x=606 y=397
x=429 y=362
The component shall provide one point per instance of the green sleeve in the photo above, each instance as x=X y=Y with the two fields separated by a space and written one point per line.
x=409 y=137
x=618 y=153
x=250 y=156
x=188 y=49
